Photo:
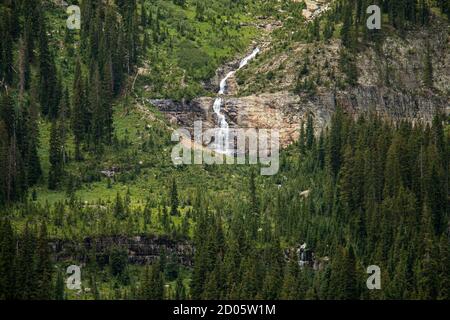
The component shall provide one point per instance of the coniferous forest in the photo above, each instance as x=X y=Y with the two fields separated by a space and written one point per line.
x=86 y=176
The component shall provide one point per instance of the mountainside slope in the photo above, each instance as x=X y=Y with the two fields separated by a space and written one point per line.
x=293 y=76
x=86 y=170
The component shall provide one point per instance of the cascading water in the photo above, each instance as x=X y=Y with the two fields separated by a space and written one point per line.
x=222 y=135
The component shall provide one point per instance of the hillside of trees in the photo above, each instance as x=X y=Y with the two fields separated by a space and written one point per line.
x=362 y=191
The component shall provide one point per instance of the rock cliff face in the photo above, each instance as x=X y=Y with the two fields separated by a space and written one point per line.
x=284 y=111
x=141 y=249
x=391 y=104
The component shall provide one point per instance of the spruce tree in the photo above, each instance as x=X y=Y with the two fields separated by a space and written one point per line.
x=97 y=107
x=310 y=132
x=254 y=203
x=174 y=199
x=153 y=283
x=4 y=147
x=290 y=288
x=33 y=162
x=59 y=287
x=79 y=111
x=302 y=140
x=44 y=267
x=7 y=261
x=427 y=287
x=55 y=157
x=26 y=273
x=119 y=210
x=444 y=268
x=48 y=92
x=428 y=68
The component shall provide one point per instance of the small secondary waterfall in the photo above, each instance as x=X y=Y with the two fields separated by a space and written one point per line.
x=222 y=134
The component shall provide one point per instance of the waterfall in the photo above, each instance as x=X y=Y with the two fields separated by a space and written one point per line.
x=222 y=134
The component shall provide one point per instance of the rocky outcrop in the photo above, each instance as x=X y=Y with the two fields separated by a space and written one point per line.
x=314 y=8
x=141 y=249
x=284 y=111
x=393 y=105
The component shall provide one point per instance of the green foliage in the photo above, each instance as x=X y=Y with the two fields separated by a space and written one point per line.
x=118 y=260
x=377 y=192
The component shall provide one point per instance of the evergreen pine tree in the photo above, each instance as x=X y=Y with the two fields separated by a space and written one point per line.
x=310 y=132
x=7 y=261
x=48 y=93
x=174 y=199
x=444 y=268
x=55 y=157
x=44 y=268
x=79 y=110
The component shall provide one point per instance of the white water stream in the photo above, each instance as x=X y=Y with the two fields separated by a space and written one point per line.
x=222 y=135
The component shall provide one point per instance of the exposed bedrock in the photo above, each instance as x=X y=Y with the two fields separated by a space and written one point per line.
x=285 y=111
x=141 y=249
